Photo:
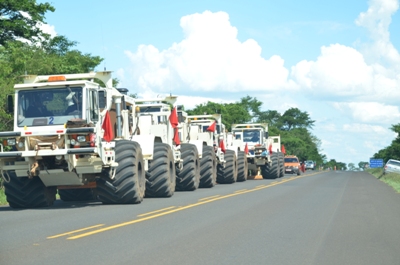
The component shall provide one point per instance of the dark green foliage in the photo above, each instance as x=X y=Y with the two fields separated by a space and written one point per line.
x=393 y=150
x=362 y=164
x=293 y=118
x=232 y=113
x=293 y=126
x=16 y=25
x=54 y=57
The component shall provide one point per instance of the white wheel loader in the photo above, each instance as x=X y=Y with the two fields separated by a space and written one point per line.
x=73 y=136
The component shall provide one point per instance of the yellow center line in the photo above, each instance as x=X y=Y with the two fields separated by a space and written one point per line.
x=161 y=210
x=177 y=209
x=207 y=198
x=149 y=217
x=75 y=231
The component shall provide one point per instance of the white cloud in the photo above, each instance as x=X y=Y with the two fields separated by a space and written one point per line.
x=353 y=91
x=364 y=128
x=370 y=112
x=368 y=74
x=330 y=127
x=210 y=57
x=339 y=70
x=48 y=29
x=377 y=20
x=190 y=102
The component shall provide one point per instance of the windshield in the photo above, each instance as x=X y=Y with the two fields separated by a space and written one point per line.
x=291 y=160
x=49 y=106
x=150 y=109
x=252 y=136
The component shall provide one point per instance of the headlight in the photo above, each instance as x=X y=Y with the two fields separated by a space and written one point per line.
x=73 y=142
x=21 y=144
x=11 y=141
x=81 y=138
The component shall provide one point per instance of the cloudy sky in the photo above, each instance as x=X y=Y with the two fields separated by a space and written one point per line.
x=337 y=60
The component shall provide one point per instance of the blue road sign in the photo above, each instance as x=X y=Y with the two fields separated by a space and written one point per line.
x=375 y=162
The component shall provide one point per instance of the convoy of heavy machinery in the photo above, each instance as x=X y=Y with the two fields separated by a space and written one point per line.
x=105 y=148
x=264 y=156
x=217 y=164
x=86 y=141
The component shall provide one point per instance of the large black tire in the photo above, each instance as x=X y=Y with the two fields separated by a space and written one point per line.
x=208 y=168
x=188 y=178
x=22 y=192
x=271 y=171
x=161 y=178
x=228 y=174
x=281 y=165
x=69 y=195
x=242 y=166
x=128 y=185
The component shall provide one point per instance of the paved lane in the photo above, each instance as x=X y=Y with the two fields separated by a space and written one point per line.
x=318 y=218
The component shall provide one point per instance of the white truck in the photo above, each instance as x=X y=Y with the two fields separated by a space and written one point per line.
x=264 y=156
x=73 y=136
x=230 y=160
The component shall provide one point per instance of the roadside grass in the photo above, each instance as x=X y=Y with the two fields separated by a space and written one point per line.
x=392 y=179
x=3 y=200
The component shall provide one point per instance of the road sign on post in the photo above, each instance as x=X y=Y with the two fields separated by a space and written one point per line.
x=375 y=162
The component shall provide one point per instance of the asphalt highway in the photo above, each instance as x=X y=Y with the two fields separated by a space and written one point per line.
x=331 y=217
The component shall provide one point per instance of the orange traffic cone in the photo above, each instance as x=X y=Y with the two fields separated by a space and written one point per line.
x=257 y=176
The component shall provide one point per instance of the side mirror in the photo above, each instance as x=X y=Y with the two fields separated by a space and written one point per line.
x=266 y=135
x=10 y=104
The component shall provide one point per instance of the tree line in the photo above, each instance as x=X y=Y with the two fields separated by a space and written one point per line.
x=393 y=150
x=26 y=49
x=293 y=126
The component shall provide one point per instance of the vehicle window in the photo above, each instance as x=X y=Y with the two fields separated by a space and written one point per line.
x=395 y=163
x=50 y=106
x=251 y=136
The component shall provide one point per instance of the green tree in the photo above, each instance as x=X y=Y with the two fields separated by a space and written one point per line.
x=294 y=118
x=20 y=19
x=232 y=113
x=18 y=59
x=331 y=164
x=362 y=164
x=341 y=166
x=302 y=143
x=272 y=117
x=252 y=105
x=393 y=150
x=296 y=136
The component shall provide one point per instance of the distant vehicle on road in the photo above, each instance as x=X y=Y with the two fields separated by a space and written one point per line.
x=310 y=164
x=392 y=166
x=292 y=165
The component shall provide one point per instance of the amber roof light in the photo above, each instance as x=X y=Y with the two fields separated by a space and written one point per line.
x=56 y=78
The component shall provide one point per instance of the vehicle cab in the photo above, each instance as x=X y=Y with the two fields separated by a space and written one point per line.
x=292 y=165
